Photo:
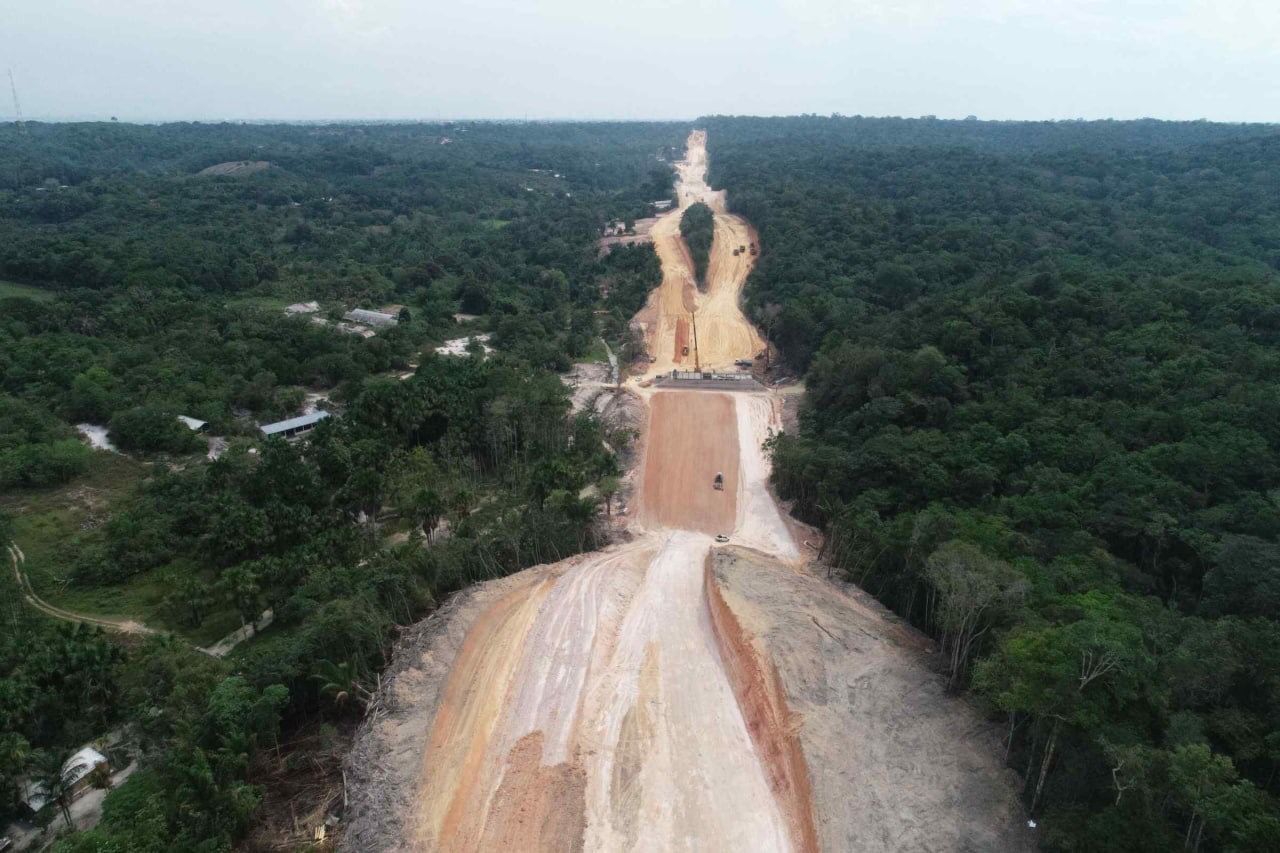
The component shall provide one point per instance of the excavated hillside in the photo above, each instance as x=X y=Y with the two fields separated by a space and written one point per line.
x=673 y=692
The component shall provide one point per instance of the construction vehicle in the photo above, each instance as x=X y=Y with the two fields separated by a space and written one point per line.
x=718 y=482
x=721 y=538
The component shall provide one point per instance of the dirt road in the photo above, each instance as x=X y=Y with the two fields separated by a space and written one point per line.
x=723 y=334
x=692 y=437
x=123 y=626
x=632 y=699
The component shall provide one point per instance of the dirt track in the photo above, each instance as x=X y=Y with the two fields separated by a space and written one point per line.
x=692 y=437
x=653 y=696
x=723 y=333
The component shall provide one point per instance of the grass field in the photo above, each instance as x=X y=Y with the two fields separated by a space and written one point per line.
x=12 y=288
x=46 y=521
x=596 y=353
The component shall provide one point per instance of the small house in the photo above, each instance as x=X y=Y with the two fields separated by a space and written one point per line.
x=365 y=317
x=193 y=424
x=77 y=776
x=294 y=427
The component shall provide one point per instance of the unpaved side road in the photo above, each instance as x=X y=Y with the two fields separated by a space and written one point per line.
x=123 y=626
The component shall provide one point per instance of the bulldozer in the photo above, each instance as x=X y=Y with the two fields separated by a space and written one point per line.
x=718 y=482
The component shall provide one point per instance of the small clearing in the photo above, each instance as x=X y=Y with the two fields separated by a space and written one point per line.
x=459 y=346
x=640 y=235
x=98 y=437
x=234 y=169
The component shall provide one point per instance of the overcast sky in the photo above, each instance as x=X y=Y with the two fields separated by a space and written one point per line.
x=387 y=59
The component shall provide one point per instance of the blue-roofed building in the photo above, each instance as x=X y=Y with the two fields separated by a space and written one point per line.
x=294 y=427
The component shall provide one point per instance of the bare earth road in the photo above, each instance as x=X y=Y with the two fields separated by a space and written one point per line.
x=670 y=693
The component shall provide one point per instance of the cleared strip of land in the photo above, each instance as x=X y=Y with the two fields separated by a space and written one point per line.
x=669 y=693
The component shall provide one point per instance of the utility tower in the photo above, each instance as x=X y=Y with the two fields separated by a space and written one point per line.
x=17 y=108
x=697 y=362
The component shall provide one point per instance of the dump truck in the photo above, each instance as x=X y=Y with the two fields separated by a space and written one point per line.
x=718 y=482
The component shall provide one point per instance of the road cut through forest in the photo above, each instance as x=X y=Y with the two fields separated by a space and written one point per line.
x=634 y=699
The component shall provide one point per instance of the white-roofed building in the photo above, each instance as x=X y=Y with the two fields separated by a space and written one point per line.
x=75 y=775
x=193 y=424
x=366 y=317
x=294 y=427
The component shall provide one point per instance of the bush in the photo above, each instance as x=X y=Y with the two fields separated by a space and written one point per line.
x=34 y=465
x=152 y=429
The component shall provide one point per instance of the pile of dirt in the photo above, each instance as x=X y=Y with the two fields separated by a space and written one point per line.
x=895 y=762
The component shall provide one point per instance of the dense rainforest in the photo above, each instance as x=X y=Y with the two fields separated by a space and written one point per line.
x=1042 y=422
x=144 y=272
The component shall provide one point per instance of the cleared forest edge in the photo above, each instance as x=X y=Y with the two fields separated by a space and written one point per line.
x=774 y=729
x=635 y=698
x=894 y=761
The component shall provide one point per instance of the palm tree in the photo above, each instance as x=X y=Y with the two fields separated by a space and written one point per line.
x=49 y=777
x=342 y=681
x=609 y=487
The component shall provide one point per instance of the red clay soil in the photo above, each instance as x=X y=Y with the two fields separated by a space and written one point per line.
x=774 y=728
x=453 y=762
x=537 y=807
x=682 y=340
x=693 y=435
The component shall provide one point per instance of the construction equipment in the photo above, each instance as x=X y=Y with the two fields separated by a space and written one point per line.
x=697 y=365
x=718 y=482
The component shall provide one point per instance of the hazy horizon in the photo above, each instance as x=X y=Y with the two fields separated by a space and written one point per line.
x=392 y=60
